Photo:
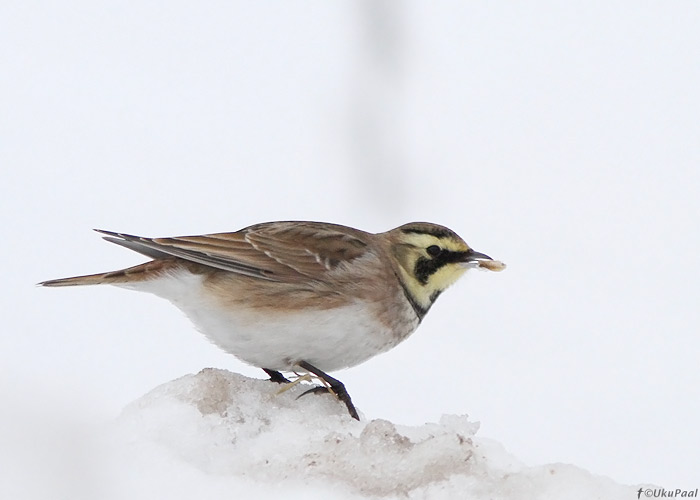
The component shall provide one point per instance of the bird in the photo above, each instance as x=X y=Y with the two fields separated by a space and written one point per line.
x=299 y=296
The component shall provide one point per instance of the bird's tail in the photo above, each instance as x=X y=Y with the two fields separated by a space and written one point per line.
x=92 y=279
x=142 y=272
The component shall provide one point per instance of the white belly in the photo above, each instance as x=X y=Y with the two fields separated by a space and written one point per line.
x=328 y=339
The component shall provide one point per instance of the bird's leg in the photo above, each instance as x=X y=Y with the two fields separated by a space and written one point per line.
x=334 y=385
x=276 y=376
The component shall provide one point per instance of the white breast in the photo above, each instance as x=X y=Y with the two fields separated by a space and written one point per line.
x=328 y=339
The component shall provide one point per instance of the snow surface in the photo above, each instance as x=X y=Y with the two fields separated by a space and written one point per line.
x=218 y=434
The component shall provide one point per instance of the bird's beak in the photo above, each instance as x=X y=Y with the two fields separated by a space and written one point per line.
x=480 y=260
x=471 y=256
x=472 y=259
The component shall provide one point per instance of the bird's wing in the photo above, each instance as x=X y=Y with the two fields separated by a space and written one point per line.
x=278 y=251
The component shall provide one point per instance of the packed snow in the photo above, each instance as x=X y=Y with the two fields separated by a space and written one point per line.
x=218 y=434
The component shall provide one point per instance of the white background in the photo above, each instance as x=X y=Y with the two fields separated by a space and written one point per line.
x=559 y=137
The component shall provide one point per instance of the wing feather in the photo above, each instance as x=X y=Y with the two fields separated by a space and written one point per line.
x=278 y=251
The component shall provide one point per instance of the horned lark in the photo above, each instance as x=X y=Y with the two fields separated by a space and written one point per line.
x=299 y=296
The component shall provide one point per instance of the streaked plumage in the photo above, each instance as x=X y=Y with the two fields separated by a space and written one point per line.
x=285 y=295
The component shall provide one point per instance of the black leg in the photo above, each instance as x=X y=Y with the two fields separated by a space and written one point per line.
x=335 y=385
x=276 y=376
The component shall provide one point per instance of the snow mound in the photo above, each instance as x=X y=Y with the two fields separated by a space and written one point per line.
x=217 y=434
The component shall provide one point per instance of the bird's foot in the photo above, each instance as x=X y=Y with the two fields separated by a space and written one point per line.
x=276 y=376
x=289 y=385
x=334 y=386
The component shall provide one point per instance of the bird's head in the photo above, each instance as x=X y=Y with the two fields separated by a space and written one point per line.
x=430 y=258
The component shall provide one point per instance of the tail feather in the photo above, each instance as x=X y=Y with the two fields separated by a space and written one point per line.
x=92 y=279
x=142 y=272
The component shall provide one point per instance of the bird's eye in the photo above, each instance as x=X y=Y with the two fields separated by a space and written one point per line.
x=433 y=250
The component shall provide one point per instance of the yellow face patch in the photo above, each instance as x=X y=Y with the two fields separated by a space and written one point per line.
x=429 y=264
